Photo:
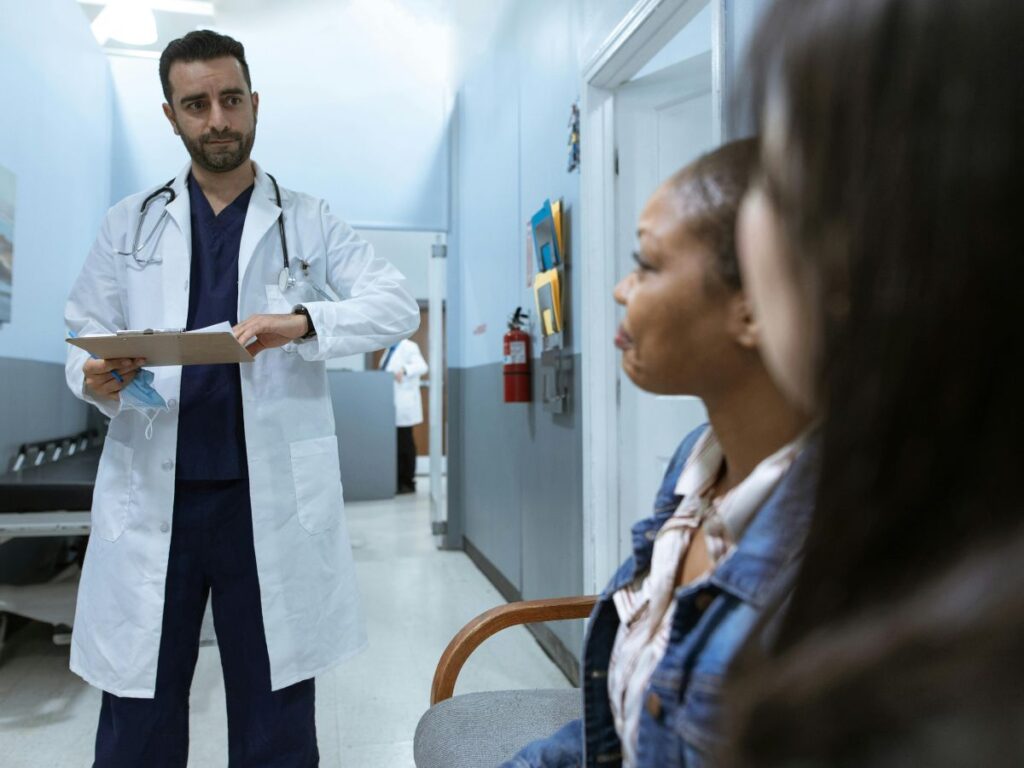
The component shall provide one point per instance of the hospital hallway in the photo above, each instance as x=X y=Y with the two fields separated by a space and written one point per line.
x=416 y=598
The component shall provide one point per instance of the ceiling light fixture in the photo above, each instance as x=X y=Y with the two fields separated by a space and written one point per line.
x=127 y=21
x=189 y=7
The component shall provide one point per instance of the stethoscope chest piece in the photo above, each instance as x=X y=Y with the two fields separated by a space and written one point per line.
x=285 y=280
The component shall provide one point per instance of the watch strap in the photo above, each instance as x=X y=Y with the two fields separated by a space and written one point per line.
x=301 y=310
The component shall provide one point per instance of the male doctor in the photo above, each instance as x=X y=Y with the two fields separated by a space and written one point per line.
x=236 y=493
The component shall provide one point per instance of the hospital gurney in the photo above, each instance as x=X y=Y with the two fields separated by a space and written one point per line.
x=47 y=493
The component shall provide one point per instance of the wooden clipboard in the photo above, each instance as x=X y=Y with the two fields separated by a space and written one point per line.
x=167 y=347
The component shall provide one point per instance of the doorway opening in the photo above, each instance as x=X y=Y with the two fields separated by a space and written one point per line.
x=652 y=102
x=419 y=256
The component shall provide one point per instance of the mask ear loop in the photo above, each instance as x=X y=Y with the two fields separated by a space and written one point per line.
x=145 y=412
x=149 y=424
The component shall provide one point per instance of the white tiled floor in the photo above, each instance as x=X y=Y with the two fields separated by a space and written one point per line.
x=416 y=598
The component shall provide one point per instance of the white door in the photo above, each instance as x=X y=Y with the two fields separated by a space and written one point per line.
x=662 y=122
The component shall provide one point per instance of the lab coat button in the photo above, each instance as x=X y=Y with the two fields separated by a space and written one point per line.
x=164 y=527
x=172 y=403
x=168 y=465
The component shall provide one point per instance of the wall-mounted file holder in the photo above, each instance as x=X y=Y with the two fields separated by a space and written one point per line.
x=556 y=380
x=550 y=252
x=552 y=343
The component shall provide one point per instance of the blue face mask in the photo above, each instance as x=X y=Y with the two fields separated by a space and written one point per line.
x=140 y=396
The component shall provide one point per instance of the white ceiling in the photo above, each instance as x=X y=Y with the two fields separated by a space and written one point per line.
x=173 y=20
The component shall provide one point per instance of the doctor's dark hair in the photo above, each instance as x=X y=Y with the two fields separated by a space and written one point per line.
x=709 y=192
x=200 y=45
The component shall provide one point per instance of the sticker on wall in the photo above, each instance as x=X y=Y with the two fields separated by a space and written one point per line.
x=6 y=243
x=574 y=139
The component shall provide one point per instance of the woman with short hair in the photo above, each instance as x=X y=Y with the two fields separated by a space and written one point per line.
x=734 y=505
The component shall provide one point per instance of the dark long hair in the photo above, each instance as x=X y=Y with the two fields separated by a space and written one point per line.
x=902 y=124
x=933 y=680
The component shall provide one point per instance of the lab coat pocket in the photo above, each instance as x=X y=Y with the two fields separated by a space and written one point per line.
x=317 y=477
x=112 y=494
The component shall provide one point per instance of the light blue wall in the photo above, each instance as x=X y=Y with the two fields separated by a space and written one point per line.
x=693 y=39
x=741 y=23
x=742 y=20
x=515 y=471
x=55 y=129
x=520 y=68
x=595 y=20
x=145 y=151
x=355 y=100
x=512 y=135
x=354 y=108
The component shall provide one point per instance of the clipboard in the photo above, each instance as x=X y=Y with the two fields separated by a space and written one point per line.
x=167 y=347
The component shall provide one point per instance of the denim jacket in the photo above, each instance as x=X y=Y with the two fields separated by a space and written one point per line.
x=679 y=724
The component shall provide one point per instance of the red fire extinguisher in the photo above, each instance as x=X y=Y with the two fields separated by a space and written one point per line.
x=517 y=360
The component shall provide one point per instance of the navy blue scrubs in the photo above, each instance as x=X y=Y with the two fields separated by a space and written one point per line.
x=212 y=553
x=211 y=435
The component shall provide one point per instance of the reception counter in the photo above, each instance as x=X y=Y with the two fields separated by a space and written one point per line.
x=364 y=415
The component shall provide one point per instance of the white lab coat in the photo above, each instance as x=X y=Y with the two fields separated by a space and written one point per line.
x=307 y=581
x=408 y=400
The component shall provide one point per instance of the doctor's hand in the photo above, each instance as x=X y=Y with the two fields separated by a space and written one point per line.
x=100 y=379
x=269 y=331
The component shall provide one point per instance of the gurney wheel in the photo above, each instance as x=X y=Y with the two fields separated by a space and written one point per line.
x=62 y=635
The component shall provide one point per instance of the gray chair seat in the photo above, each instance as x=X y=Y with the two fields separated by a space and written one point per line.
x=482 y=730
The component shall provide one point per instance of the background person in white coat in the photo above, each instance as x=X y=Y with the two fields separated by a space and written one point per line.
x=235 y=492
x=406 y=363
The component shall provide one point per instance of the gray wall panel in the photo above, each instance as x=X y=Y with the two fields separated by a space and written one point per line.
x=552 y=508
x=364 y=418
x=516 y=488
x=492 y=435
x=455 y=450
x=35 y=405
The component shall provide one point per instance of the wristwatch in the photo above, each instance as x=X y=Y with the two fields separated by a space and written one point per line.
x=301 y=310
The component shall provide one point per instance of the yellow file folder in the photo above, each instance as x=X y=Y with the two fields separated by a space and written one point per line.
x=548 y=295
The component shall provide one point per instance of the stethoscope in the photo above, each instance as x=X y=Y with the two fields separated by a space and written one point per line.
x=285 y=279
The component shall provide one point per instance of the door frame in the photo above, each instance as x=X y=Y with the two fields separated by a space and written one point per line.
x=644 y=31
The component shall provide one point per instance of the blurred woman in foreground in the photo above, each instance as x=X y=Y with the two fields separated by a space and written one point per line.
x=881 y=251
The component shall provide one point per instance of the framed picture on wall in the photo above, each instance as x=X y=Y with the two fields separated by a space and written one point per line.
x=6 y=243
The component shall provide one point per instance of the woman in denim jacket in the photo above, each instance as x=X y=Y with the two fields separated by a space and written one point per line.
x=732 y=511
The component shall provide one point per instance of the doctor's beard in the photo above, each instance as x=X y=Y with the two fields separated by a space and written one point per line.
x=223 y=158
